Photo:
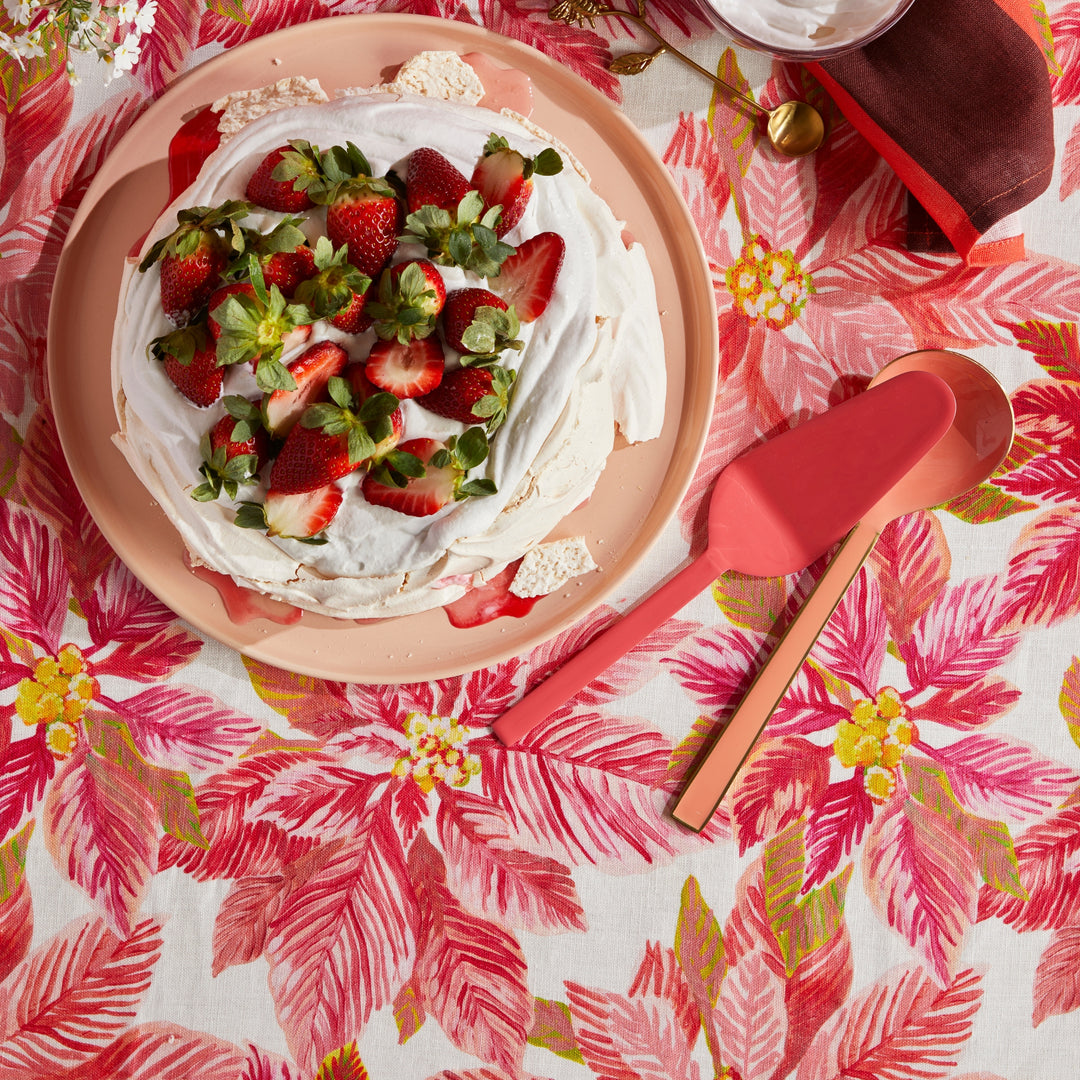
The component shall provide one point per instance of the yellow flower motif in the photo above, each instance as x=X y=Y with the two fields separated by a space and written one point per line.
x=438 y=753
x=56 y=694
x=768 y=284
x=875 y=739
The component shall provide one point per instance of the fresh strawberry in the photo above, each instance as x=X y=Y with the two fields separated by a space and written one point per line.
x=503 y=177
x=443 y=479
x=281 y=180
x=283 y=253
x=367 y=216
x=389 y=434
x=311 y=373
x=336 y=290
x=406 y=369
x=189 y=359
x=483 y=603
x=411 y=295
x=233 y=450
x=194 y=256
x=477 y=323
x=256 y=324
x=298 y=516
x=528 y=276
x=473 y=395
x=331 y=440
x=432 y=180
x=462 y=236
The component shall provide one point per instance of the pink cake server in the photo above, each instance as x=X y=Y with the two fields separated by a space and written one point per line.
x=774 y=510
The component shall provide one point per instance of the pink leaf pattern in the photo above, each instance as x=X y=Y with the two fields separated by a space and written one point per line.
x=386 y=914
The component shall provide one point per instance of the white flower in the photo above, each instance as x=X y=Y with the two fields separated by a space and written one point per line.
x=126 y=11
x=19 y=11
x=126 y=55
x=28 y=46
x=144 y=17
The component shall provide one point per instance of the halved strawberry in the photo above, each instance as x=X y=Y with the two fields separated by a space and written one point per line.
x=443 y=479
x=411 y=295
x=189 y=359
x=528 y=277
x=483 y=603
x=472 y=395
x=406 y=369
x=432 y=180
x=298 y=516
x=311 y=372
x=503 y=177
x=336 y=290
x=477 y=323
x=281 y=179
x=194 y=256
x=233 y=450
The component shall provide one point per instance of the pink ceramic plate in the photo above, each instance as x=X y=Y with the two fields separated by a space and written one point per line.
x=638 y=492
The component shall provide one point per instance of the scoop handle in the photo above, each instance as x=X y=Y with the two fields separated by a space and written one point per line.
x=715 y=771
x=607 y=647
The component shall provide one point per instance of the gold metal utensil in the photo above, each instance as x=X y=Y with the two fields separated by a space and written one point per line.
x=794 y=128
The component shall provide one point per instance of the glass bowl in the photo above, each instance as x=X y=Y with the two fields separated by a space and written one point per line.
x=803 y=29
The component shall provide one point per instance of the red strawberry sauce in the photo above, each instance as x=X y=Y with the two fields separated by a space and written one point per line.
x=243 y=605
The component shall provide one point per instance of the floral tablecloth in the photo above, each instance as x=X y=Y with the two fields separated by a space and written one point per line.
x=213 y=868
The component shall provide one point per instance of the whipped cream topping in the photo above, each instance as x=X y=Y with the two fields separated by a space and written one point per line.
x=592 y=361
x=804 y=25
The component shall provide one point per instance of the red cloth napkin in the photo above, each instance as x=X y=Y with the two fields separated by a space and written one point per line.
x=957 y=98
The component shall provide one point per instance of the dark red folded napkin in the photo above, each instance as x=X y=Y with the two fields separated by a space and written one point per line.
x=956 y=97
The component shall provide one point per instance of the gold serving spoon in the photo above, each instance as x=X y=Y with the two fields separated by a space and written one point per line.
x=794 y=128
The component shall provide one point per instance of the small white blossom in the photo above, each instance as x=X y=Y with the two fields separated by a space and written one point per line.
x=127 y=10
x=19 y=11
x=28 y=46
x=145 y=16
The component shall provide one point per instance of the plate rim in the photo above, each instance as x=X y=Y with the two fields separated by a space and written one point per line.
x=504 y=50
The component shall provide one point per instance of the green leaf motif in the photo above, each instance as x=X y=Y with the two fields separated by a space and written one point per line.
x=170 y=789
x=990 y=841
x=751 y=603
x=13 y=861
x=343 y=1064
x=553 y=1030
x=1055 y=346
x=800 y=926
x=1069 y=699
x=699 y=942
x=985 y=504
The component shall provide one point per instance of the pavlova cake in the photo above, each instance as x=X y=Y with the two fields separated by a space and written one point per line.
x=381 y=346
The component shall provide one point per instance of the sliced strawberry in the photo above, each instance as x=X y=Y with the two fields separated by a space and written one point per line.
x=189 y=359
x=432 y=180
x=406 y=369
x=234 y=450
x=194 y=256
x=410 y=297
x=417 y=493
x=298 y=516
x=483 y=603
x=503 y=177
x=281 y=179
x=311 y=372
x=478 y=323
x=472 y=395
x=528 y=277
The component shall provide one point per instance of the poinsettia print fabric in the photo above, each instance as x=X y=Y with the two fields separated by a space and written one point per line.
x=210 y=867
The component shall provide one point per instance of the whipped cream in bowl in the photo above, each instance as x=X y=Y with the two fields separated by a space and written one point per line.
x=804 y=29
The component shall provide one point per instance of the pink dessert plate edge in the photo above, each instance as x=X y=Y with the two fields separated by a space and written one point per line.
x=639 y=491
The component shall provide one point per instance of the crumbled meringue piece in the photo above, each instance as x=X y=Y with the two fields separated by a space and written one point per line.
x=242 y=107
x=551 y=565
